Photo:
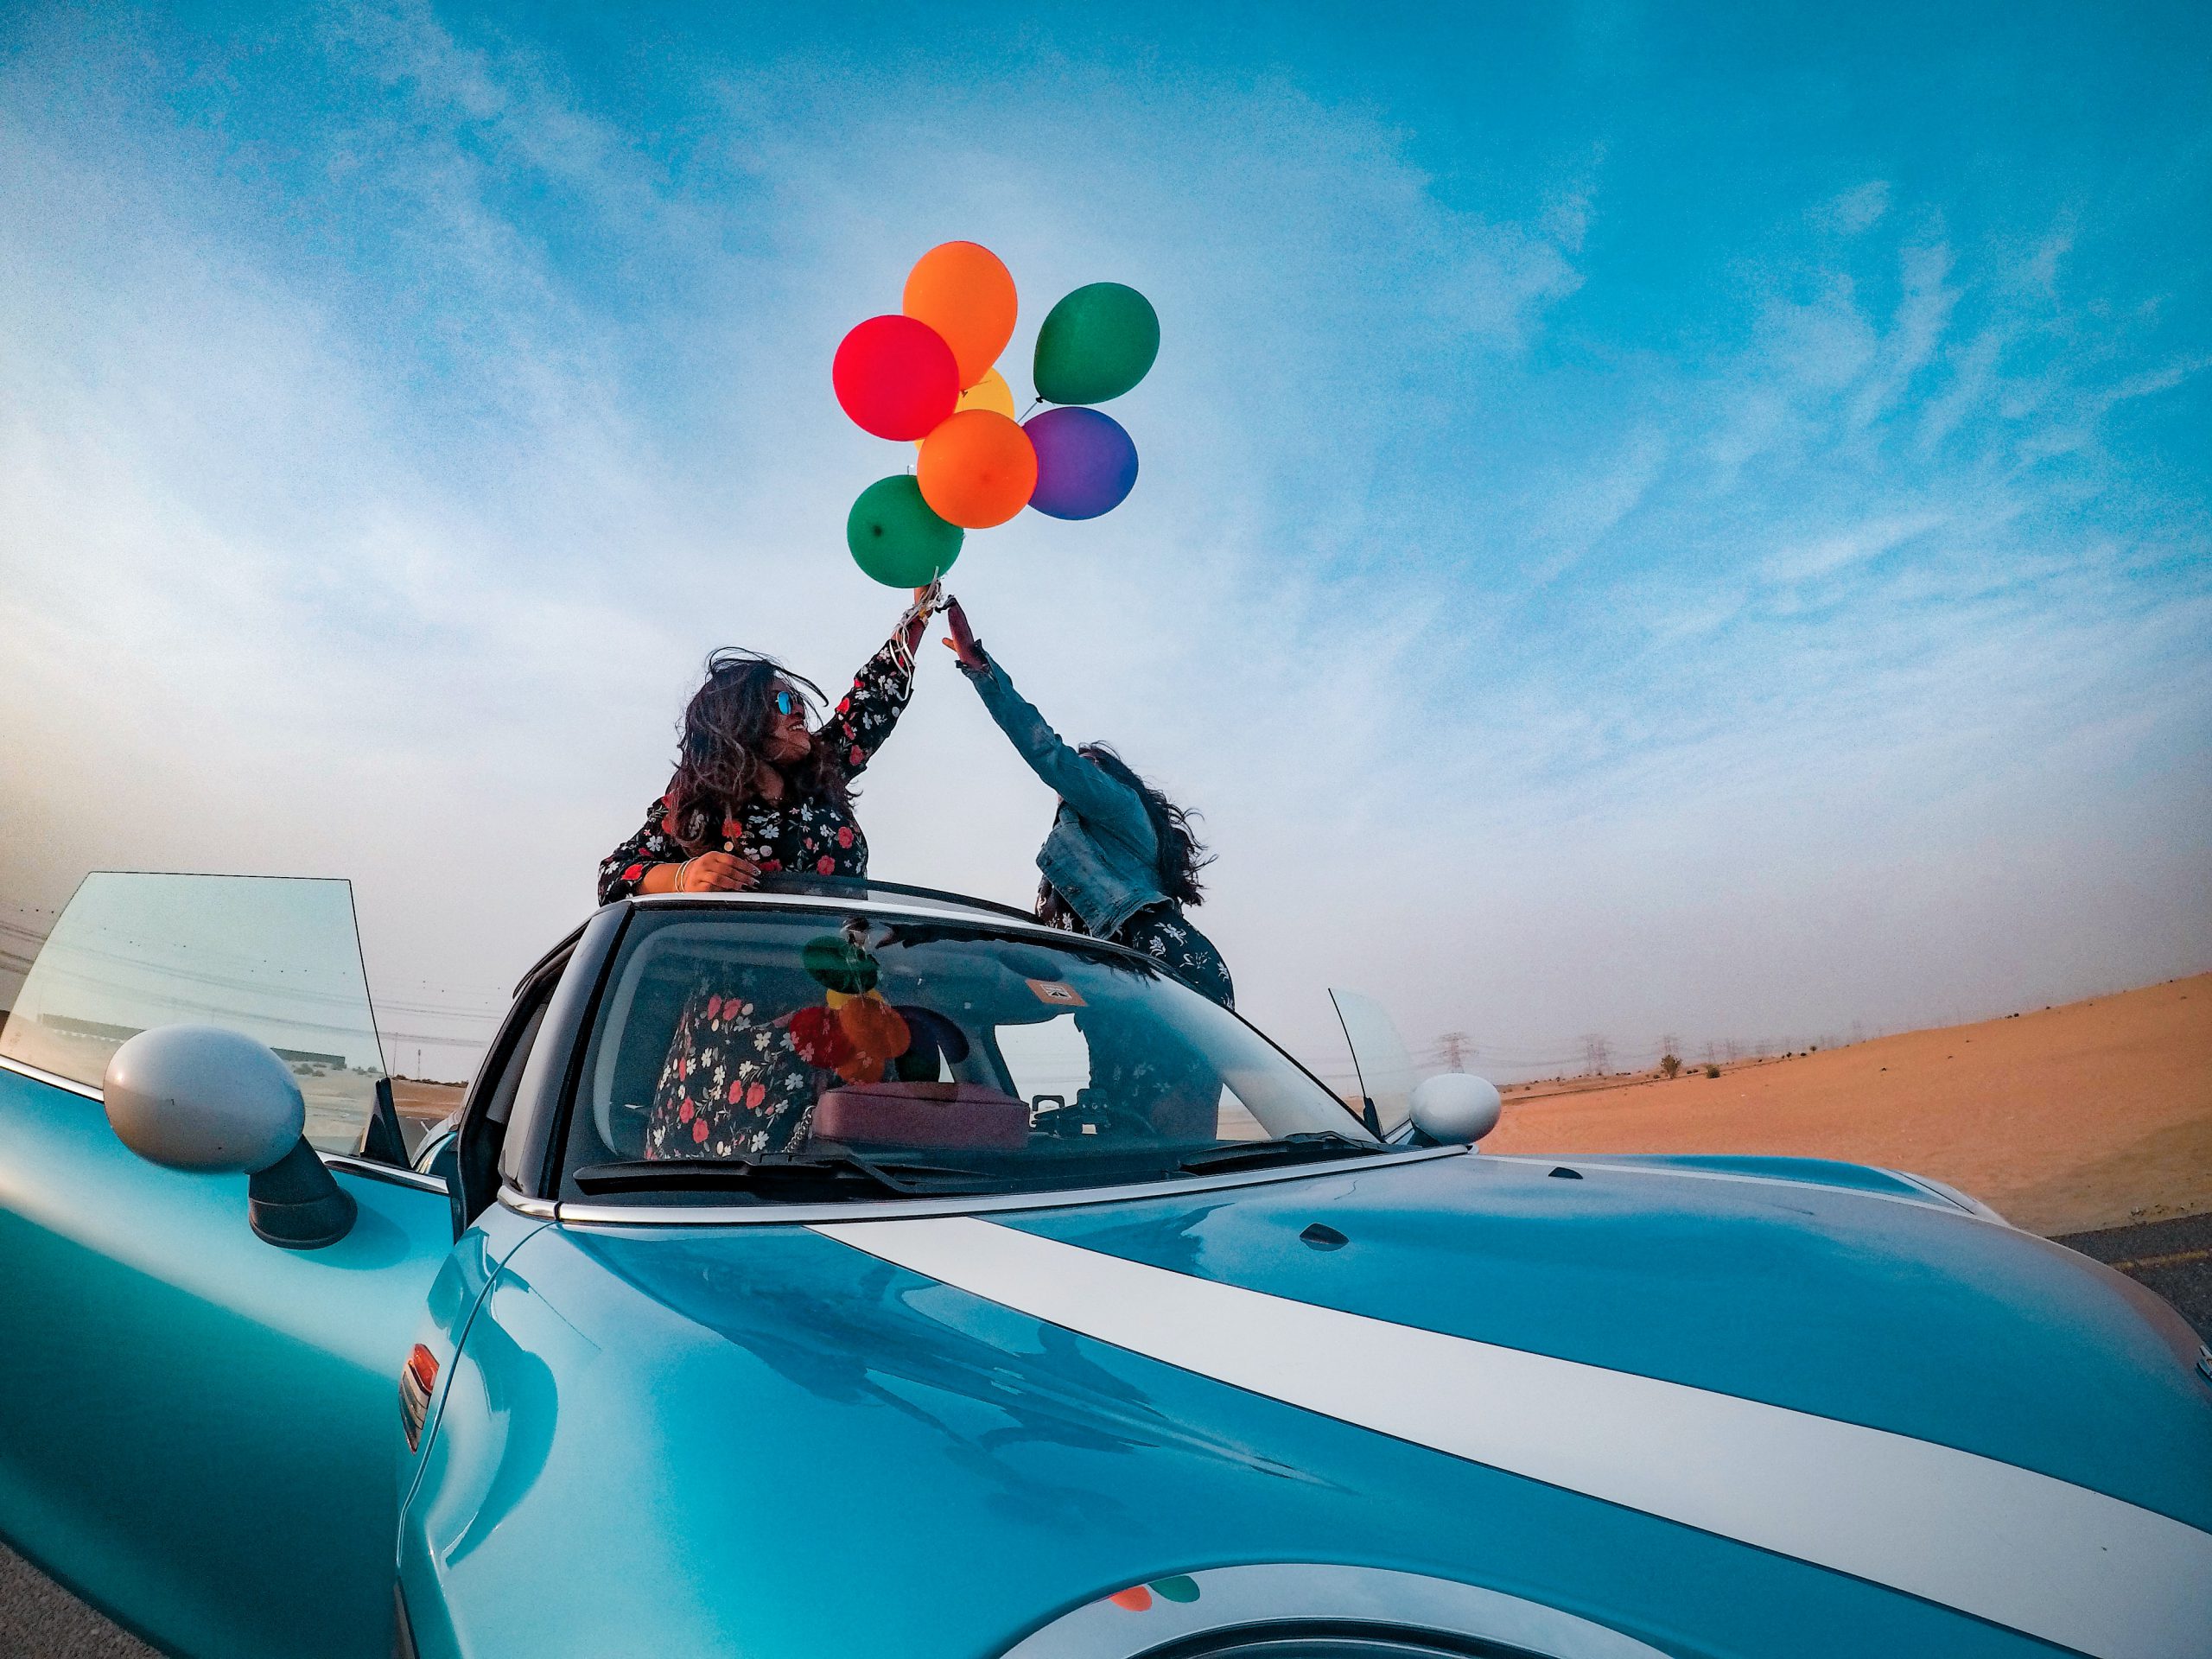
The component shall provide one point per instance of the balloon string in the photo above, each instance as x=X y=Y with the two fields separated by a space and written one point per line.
x=1032 y=406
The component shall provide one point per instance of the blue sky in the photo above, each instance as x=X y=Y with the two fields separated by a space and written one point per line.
x=1653 y=519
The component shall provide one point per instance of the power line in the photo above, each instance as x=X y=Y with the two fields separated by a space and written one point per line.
x=171 y=970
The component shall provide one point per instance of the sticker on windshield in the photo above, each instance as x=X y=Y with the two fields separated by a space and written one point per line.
x=1058 y=993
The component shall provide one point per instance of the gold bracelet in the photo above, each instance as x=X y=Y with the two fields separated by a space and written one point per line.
x=680 y=869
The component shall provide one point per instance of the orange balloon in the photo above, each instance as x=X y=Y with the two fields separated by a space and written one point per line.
x=873 y=1028
x=877 y=1035
x=977 y=469
x=989 y=392
x=964 y=292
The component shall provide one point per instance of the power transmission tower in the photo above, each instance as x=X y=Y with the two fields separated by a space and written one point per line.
x=1456 y=1049
x=1597 y=1055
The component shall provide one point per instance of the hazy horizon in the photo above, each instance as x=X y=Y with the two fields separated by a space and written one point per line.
x=1651 y=523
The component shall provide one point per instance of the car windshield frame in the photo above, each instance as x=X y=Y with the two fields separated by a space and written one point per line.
x=1124 y=1173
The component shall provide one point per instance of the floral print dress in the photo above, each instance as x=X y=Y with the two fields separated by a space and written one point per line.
x=1177 y=1094
x=1163 y=932
x=797 y=836
x=1176 y=1091
x=732 y=1083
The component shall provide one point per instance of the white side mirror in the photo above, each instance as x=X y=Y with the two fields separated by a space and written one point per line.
x=1456 y=1108
x=202 y=1098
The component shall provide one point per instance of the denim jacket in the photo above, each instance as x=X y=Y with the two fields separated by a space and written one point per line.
x=1103 y=854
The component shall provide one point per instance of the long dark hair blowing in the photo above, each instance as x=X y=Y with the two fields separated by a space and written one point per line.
x=1182 y=854
x=722 y=756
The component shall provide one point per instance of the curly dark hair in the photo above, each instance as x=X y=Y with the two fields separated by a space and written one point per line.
x=720 y=760
x=1182 y=854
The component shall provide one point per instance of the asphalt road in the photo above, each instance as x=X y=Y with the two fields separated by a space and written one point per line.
x=2172 y=1257
x=41 y=1620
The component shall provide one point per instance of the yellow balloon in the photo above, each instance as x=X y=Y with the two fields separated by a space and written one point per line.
x=990 y=392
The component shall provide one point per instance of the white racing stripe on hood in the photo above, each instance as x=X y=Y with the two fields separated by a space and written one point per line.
x=2021 y=1549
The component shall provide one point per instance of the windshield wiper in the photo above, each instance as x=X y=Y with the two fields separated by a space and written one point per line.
x=1305 y=1147
x=787 y=1175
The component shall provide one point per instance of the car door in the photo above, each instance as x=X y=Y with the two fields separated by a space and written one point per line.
x=200 y=1426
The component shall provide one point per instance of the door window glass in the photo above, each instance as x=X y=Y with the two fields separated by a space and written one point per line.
x=1386 y=1071
x=276 y=957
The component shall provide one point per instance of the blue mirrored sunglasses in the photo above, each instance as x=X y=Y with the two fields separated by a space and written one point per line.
x=787 y=703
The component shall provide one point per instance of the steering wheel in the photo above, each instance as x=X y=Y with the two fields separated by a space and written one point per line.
x=1066 y=1123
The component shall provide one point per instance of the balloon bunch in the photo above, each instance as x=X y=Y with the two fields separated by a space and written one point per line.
x=857 y=1034
x=926 y=375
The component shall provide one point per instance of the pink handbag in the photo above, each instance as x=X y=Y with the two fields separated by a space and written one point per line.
x=892 y=1114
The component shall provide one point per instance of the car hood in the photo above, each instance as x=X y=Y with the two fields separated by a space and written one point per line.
x=1848 y=1292
x=789 y=1438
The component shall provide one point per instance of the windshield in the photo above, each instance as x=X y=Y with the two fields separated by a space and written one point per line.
x=770 y=1056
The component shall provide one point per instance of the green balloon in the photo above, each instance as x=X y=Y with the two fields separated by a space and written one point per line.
x=832 y=960
x=1095 y=344
x=896 y=538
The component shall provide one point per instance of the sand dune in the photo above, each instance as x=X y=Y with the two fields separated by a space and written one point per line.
x=2065 y=1119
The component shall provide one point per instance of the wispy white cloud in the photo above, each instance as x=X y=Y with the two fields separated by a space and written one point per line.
x=1579 y=513
x=2040 y=269
x=1973 y=366
x=1923 y=310
x=1858 y=209
x=1840 y=549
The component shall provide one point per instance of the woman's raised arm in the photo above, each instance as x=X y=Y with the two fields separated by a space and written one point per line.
x=864 y=715
x=1096 y=798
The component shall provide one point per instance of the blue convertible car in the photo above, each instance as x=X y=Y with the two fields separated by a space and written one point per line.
x=867 y=1273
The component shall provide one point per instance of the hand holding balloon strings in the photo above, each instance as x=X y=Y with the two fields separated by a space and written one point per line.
x=908 y=633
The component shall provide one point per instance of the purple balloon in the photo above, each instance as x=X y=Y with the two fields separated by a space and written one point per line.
x=1086 y=462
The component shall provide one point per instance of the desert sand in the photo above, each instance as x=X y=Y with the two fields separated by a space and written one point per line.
x=423 y=1104
x=2064 y=1120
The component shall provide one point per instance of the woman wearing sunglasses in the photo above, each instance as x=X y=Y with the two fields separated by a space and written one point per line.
x=756 y=792
x=1120 y=862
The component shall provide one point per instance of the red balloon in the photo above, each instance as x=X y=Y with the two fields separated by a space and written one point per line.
x=896 y=377
x=818 y=1041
